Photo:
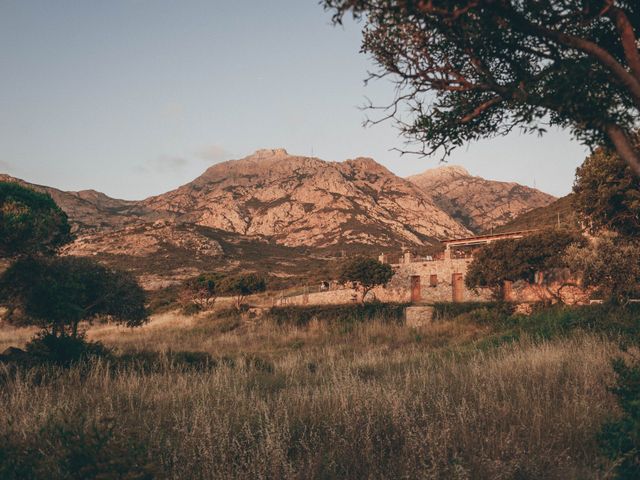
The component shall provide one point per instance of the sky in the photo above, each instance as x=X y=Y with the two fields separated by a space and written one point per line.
x=136 y=97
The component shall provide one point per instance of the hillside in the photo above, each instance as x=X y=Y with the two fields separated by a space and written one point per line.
x=163 y=253
x=272 y=212
x=89 y=210
x=307 y=201
x=477 y=203
x=560 y=212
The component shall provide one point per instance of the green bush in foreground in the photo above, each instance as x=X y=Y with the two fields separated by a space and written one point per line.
x=621 y=438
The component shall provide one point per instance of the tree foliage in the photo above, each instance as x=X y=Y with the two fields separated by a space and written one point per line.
x=30 y=222
x=58 y=293
x=519 y=259
x=471 y=69
x=203 y=289
x=610 y=264
x=240 y=286
x=607 y=194
x=364 y=274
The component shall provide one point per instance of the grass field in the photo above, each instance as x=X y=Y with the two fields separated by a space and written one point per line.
x=224 y=397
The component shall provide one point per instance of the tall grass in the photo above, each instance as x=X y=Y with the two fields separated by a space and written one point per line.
x=398 y=409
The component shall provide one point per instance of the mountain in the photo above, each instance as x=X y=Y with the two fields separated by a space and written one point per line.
x=478 y=204
x=307 y=201
x=89 y=210
x=558 y=213
x=269 y=210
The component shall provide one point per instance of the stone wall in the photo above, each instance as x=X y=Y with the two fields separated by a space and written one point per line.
x=556 y=284
x=442 y=291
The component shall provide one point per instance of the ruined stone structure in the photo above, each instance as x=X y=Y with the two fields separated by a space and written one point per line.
x=440 y=278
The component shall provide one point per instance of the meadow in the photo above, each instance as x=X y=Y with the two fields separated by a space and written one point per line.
x=474 y=395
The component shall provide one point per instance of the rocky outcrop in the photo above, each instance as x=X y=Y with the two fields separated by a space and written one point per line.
x=307 y=201
x=477 y=203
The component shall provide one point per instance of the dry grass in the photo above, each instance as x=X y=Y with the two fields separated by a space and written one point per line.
x=330 y=401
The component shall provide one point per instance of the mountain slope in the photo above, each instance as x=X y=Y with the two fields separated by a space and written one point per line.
x=89 y=210
x=306 y=201
x=475 y=202
x=558 y=213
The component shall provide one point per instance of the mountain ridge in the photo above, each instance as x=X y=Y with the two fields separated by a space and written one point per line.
x=477 y=203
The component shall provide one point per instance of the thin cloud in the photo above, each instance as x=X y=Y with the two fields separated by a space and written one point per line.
x=5 y=166
x=163 y=164
x=214 y=154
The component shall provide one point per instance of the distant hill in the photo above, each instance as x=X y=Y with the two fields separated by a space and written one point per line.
x=560 y=212
x=477 y=203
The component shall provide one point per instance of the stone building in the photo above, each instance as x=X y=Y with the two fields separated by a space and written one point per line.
x=440 y=278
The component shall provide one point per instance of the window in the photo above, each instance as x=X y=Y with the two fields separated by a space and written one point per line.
x=433 y=280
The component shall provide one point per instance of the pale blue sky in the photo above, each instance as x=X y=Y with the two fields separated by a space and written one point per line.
x=134 y=97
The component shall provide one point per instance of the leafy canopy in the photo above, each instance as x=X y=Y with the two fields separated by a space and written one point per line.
x=365 y=274
x=610 y=264
x=57 y=293
x=30 y=222
x=519 y=259
x=240 y=286
x=607 y=194
x=471 y=69
x=203 y=289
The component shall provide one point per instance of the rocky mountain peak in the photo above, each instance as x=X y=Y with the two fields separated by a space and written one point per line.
x=477 y=203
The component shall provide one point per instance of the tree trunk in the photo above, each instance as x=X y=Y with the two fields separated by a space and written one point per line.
x=624 y=146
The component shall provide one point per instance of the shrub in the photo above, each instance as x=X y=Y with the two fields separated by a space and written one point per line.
x=302 y=315
x=240 y=286
x=75 y=449
x=621 y=438
x=63 y=350
x=203 y=289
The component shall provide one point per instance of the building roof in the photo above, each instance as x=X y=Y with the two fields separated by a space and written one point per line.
x=480 y=239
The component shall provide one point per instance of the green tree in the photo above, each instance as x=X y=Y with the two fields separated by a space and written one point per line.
x=240 y=286
x=610 y=264
x=471 y=69
x=364 y=274
x=607 y=194
x=30 y=222
x=203 y=289
x=58 y=293
x=521 y=259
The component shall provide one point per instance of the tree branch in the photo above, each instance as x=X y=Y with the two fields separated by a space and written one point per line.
x=586 y=46
x=627 y=38
x=624 y=146
x=480 y=109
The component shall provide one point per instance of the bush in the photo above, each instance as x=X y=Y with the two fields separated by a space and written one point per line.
x=73 y=448
x=191 y=308
x=621 y=438
x=241 y=286
x=63 y=350
x=451 y=310
x=296 y=315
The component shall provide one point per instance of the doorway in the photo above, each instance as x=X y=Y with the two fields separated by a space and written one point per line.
x=415 y=289
x=457 y=286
